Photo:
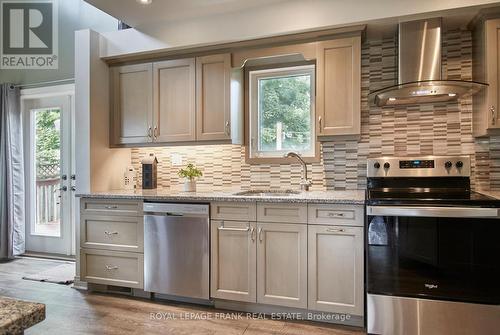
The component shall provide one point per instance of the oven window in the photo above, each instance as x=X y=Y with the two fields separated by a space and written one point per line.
x=439 y=258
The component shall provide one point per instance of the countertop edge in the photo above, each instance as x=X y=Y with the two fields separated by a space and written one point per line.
x=210 y=198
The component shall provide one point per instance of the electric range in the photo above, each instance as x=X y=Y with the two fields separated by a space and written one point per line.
x=432 y=248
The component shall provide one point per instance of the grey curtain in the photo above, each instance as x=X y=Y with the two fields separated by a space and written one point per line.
x=12 y=210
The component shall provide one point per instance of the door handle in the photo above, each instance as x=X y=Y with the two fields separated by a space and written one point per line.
x=260 y=234
x=227 y=130
x=493 y=115
x=73 y=188
x=62 y=188
x=252 y=231
x=320 y=121
x=150 y=132
x=155 y=132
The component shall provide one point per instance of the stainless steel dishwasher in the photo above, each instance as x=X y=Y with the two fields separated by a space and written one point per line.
x=176 y=249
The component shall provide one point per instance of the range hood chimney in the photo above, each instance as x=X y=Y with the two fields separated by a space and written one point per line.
x=419 y=69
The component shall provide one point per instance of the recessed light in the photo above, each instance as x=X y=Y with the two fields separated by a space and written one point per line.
x=392 y=99
x=452 y=94
x=144 y=2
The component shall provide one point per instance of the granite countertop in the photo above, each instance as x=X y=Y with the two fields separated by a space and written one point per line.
x=17 y=315
x=338 y=197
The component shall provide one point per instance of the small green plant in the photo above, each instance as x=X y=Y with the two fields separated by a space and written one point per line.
x=190 y=172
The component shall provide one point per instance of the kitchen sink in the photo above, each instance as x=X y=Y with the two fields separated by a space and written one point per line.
x=268 y=193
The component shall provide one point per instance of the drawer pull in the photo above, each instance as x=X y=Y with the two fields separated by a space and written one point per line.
x=109 y=233
x=234 y=229
x=332 y=230
x=109 y=267
x=111 y=207
x=338 y=215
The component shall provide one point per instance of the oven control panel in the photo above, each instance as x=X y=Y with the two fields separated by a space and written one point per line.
x=425 y=166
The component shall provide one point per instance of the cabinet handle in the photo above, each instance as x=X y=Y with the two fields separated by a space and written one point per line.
x=336 y=214
x=320 y=121
x=155 y=132
x=252 y=231
x=493 y=115
x=150 y=132
x=260 y=234
x=234 y=229
x=227 y=130
x=109 y=233
x=109 y=267
x=332 y=230
x=111 y=207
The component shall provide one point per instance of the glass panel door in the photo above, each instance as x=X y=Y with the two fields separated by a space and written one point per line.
x=48 y=157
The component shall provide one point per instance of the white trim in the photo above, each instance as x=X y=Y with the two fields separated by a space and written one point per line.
x=253 y=78
x=47 y=91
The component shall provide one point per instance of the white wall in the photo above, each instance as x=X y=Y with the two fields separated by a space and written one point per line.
x=275 y=19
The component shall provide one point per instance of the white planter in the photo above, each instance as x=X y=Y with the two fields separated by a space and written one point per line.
x=190 y=185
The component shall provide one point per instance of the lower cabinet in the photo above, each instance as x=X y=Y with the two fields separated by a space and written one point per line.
x=282 y=264
x=336 y=269
x=112 y=267
x=233 y=273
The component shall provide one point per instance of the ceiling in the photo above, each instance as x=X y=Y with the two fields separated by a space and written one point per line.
x=136 y=14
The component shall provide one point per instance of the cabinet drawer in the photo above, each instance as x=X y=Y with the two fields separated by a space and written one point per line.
x=111 y=207
x=120 y=233
x=285 y=213
x=349 y=215
x=112 y=268
x=239 y=211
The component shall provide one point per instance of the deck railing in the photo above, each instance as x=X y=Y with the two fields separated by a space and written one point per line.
x=47 y=193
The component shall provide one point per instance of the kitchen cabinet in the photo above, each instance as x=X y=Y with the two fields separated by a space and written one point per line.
x=338 y=87
x=111 y=242
x=213 y=90
x=189 y=100
x=174 y=100
x=336 y=269
x=131 y=104
x=486 y=52
x=233 y=259
x=282 y=264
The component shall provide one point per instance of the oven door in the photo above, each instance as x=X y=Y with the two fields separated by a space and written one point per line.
x=444 y=253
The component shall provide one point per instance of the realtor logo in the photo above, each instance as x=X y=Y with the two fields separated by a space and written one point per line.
x=28 y=34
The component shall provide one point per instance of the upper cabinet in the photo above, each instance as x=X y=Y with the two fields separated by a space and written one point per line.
x=174 y=100
x=486 y=52
x=132 y=104
x=182 y=100
x=213 y=86
x=338 y=87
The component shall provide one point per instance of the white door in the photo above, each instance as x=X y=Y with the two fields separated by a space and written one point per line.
x=50 y=179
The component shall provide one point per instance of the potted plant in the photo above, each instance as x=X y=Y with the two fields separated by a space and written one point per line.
x=190 y=173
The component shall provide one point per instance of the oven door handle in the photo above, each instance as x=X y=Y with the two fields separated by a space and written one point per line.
x=445 y=212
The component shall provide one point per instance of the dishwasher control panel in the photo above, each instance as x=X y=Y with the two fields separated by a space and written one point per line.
x=178 y=208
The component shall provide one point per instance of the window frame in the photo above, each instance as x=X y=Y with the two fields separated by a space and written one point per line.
x=252 y=76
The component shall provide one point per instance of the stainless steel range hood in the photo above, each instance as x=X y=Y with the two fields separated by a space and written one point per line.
x=419 y=69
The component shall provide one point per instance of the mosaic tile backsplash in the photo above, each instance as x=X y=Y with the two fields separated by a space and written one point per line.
x=431 y=129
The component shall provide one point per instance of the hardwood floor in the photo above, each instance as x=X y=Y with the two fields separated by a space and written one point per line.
x=70 y=311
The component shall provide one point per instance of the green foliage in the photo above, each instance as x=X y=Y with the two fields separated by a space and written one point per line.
x=190 y=172
x=286 y=100
x=48 y=140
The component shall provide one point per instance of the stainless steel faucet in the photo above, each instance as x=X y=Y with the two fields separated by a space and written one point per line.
x=305 y=183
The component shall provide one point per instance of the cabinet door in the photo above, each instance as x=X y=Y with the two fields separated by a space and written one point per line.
x=492 y=73
x=174 y=100
x=233 y=272
x=336 y=269
x=213 y=83
x=282 y=264
x=338 y=96
x=132 y=99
